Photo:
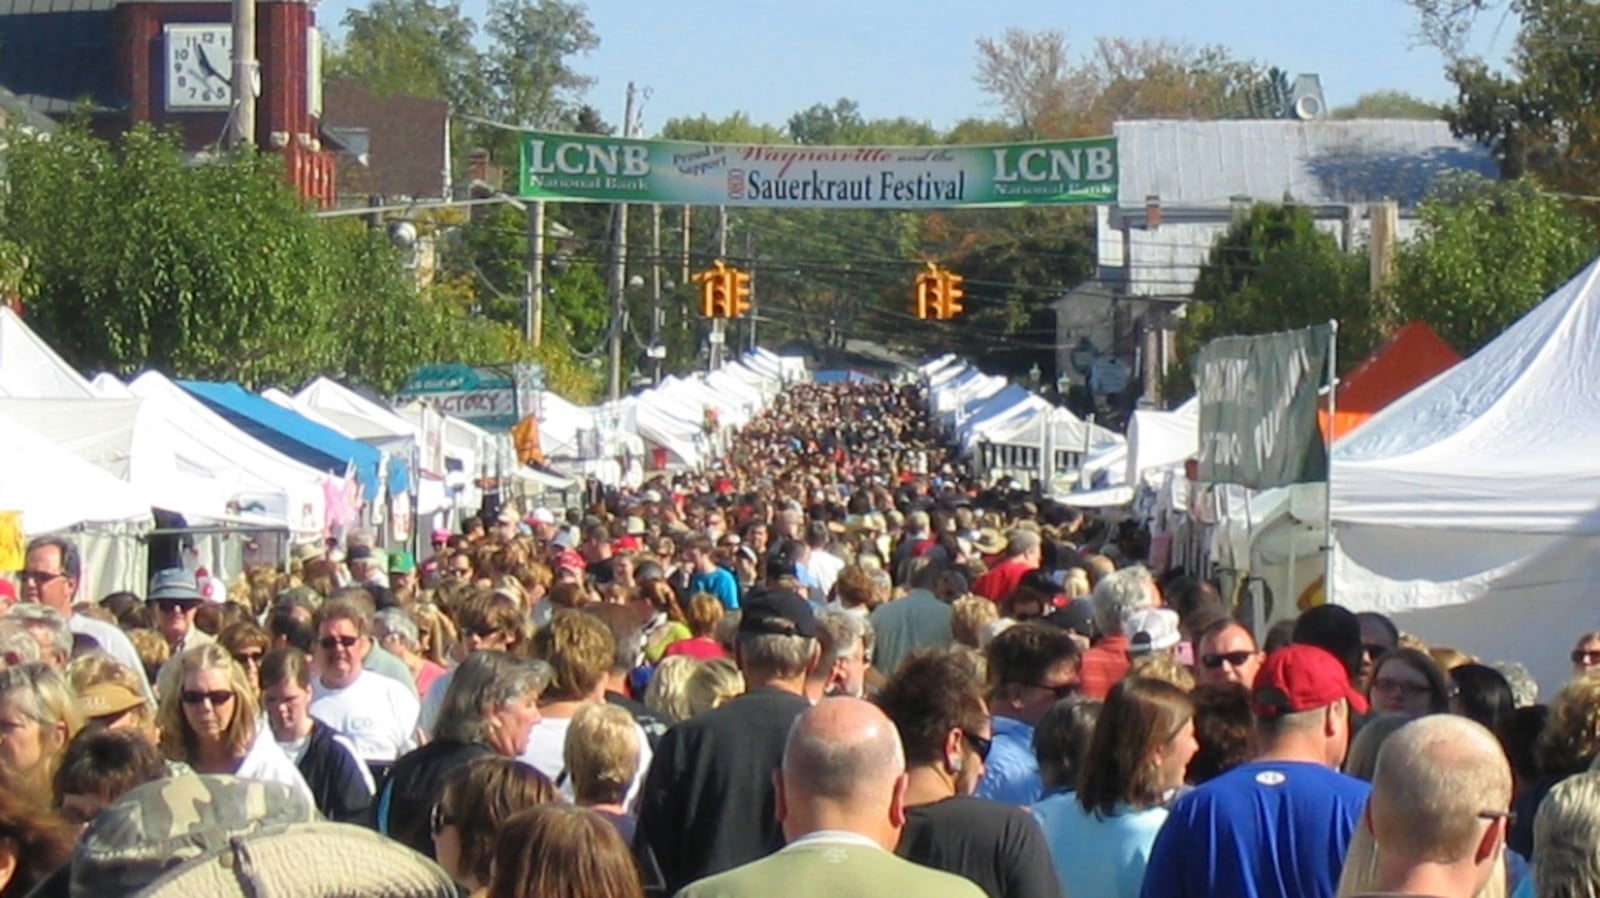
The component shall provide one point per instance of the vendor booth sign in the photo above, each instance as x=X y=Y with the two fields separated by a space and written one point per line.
x=494 y=398
x=1258 y=408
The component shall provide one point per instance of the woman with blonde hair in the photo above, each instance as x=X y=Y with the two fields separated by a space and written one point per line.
x=668 y=694
x=1566 y=831
x=705 y=612
x=38 y=717
x=713 y=684
x=1568 y=744
x=210 y=720
x=601 y=754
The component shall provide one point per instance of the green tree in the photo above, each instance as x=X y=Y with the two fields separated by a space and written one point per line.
x=1272 y=271
x=1389 y=104
x=527 y=69
x=418 y=47
x=1488 y=252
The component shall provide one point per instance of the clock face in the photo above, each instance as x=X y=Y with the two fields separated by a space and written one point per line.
x=199 y=67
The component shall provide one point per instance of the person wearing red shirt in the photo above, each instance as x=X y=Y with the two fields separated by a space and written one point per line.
x=1023 y=554
x=1116 y=597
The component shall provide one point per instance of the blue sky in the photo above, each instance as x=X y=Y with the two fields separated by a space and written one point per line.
x=916 y=57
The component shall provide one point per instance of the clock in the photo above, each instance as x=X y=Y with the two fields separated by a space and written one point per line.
x=199 y=67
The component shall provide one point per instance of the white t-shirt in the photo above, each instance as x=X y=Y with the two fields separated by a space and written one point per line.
x=377 y=715
x=545 y=753
x=266 y=762
x=825 y=566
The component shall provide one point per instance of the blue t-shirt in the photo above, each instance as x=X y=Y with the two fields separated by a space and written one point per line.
x=720 y=583
x=1095 y=856
x=1011 y=773
x=1276 y=829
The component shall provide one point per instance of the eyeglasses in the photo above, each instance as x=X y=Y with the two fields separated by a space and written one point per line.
x=39 y=578
x=248 y=658
x=1236 y=659
x=332 y=642
x=460 y=572
x=169 y=606
x=483 y=632
x=1583 y=656
x=1373 y=650
x=1510 y=817
x=980 y=744
x=1409 y=690
x=217 y=699
x=1064 y=690
x=439 y=818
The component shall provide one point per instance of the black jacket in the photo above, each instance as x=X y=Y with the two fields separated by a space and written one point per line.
x=708 y=803
x=335 y=777
x=414 y=785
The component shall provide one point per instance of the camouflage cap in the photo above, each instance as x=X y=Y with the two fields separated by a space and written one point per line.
x=160 y=825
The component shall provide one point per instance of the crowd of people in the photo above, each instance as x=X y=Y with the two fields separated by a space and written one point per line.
x=830 y=664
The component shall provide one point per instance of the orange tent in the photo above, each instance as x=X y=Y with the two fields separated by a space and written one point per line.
x=1410 y=358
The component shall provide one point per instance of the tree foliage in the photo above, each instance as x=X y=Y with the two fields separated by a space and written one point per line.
x=1047 y=92
x=1273 y=271
x=1389 y=104
x=1489 y=252
x=211 y=271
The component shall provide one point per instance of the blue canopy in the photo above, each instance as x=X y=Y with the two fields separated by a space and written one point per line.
x=843 y=377
x=296 y=436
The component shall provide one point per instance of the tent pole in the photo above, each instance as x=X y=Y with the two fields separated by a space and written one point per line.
x=1328 y=538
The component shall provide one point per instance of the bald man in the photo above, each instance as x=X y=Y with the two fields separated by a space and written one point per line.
x=841 y=800
x=1438 y=812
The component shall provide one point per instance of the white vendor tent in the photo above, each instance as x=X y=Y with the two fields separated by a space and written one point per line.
x=1159 y=440
x=359 y=417
x=30 y=369
x=1470 y=509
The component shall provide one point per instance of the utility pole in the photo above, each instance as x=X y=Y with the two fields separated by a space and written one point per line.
x=533 y=284
x=755 y=295
x=719 y=326
x=243 y=131
x=619 y=268
x=656 y=350
x=683 y=256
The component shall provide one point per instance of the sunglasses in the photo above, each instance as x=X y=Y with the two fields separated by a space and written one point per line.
x=483 y=632
x=170 y=606
x=1580 y=656
x=980 y=744
x=39 y=578
x=332 y=642
x=1236 y=659
x=248 y=658
x=1373 y=650
x=439 y=818
x=1065 y=690
x=217 y=699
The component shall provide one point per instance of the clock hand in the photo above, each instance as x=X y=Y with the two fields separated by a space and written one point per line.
x=206 y=66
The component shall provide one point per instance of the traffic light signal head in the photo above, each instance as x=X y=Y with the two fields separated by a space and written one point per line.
x=715 y=290
x=950 y=294
x=739 y=281
x=926 y=298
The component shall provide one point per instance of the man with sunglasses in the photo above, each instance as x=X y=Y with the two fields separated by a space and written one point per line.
x=50 y=576
x=376 y=713
x=1226 y=653
x=1031 y=666
x=175 y=597
x=937 y=704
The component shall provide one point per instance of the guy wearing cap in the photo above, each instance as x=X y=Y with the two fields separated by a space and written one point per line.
x=544 y=523
x=1279 y=826
x=507 y=524
x=403 y=582
x=174 y=596
x=708 y=803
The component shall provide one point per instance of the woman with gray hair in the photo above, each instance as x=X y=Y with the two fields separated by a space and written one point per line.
x=397 y=631
x=1566 y=840
x=38 y=717
x=489 y=709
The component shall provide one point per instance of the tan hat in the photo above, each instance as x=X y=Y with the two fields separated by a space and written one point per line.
x=509 y=514
x=989 y=542
x=107 y=699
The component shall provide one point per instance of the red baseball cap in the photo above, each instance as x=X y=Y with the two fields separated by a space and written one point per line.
x=571 y=559
x=1302 y=678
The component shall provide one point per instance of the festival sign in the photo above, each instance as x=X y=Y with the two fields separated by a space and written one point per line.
x=1258 y=408
x=491 y=398
x=600 y=169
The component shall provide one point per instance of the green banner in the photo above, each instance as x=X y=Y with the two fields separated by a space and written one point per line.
x=599 y=169
x=1258 y=408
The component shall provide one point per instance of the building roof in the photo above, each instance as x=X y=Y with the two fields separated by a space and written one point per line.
x=58 y=54
x=407 y=141
x=1195 y=165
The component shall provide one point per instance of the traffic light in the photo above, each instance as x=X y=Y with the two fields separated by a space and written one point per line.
x=739 y=282
x=950 y=294
x=715 y=290
x=927 y=293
